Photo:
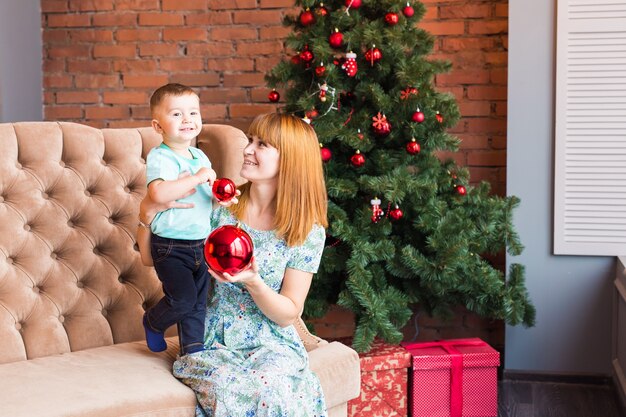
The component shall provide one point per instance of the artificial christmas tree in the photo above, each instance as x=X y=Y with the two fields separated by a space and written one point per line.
x=405 y=227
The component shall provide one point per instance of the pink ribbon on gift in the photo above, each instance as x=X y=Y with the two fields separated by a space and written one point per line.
x=456 y=368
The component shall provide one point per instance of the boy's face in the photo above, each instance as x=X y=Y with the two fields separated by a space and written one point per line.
x=178 y=119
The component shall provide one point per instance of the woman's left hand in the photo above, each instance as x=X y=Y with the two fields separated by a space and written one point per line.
x=232 y=201
x=247 y=276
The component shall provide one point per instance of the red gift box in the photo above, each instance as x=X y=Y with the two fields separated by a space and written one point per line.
x=384 y=374
x=454 y=378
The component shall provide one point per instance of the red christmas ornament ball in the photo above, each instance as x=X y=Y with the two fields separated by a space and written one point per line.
x=320 y=70
x=354 y=4
x=357 y=160
x=373 y=55
x=307 y=18
x=322 y=10
x=396 y=214
x=224 y=189
x=336 y=39
x=311 y=114
x=418 y=117
x=413 y=147
x=228 y=249
x=326 y=153
x=306 y=56
x=461 y=190
x=439 y=117
x=408 y=11
x=273 y=96
x=391 y=18
x=295 y=59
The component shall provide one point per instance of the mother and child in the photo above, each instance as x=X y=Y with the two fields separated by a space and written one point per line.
x=239 y=351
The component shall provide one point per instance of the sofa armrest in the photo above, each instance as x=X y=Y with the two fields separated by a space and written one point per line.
x=309 y=341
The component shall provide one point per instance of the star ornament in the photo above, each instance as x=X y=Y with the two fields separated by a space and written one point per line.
x=407 y=92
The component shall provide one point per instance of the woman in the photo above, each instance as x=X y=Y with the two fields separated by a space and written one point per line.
x=254 y=363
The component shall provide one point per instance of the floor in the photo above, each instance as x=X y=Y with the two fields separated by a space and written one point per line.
x=552 y=399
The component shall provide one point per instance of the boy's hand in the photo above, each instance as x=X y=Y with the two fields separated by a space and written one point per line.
x=205 y=175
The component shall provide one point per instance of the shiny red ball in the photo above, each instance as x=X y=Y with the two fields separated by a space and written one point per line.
x=461 y=190
x=224 y=189
x=357 y=160
x=353 y=4
x=228 y=249
x=396 y=214
x=391 y=18
x=320 y=70
x=413 y=147
x=307 y=18
x=418 y=117
x=326 y=154
x=322 y=11
x=306 y=56
x=273 y=96
x=336 y=39
x=408 y=11
x=373 y=55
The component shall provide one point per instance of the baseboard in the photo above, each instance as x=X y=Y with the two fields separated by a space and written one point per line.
x=587 y=379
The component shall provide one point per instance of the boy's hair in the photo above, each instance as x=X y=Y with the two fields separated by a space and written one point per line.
x=172 y=89
x=301 y=199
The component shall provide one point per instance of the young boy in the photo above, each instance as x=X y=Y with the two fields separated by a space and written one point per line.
x=178 y=234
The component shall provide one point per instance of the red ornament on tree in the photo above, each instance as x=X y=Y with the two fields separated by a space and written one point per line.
x=373 y=55
x=381 y=125
x=396 y=214
x=418 y=116
x=273 y=96
x=349 y=64
x=359 y=134
x=461 y=190
x=391 y=18
x=295 y=60
x=408 y=11
x=326 y=153
x=307 y=18
x=439 y=117
x=377 y=212
x=322 y=10
x=353 y=4
x=306 y=56
x=413 y=147
x=224 y=189
x=311 y=114
x=228 y=249
x=323 y=90
x=407 y=92
x=320 y=70
x=336 y=39
x=357 y=159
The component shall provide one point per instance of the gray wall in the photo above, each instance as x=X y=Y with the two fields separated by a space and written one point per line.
x=573 y=295
x=20 y=61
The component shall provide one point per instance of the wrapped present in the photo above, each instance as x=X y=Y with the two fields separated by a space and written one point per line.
x=453 y=378
x=384 y=381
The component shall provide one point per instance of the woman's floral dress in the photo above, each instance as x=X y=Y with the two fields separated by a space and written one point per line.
x=251 y=365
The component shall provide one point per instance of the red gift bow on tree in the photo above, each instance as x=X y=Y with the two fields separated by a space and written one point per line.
x=456 y=368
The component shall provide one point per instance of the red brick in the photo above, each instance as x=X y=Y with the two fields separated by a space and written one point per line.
x=184 y=5
x=487 y=92
x=69 y=20
x=62 y=112
x=482 y=125
x=181 y=64
x=265 y=64
x=249 y=110
x=465 y=11
x=137 y=35
x=97 y=81
x=69 y=51
x=160 y=19
x=115 y=112
x=268 y=4
x=498 y=76
x=262 y=17
x=432 y=13
x=477 y=76
x=55 y=36
x=115 y=19
x=501 y=108
x=115 y=124
x=259 y=48
x=502 y=10
x=185 y=34
x=223 y=95
x=487 y=158
x=125 y=97
x=274 y=32
x=91 y=5
x=230 y=64
x=57 y=81
x=53 y=65
x=214 y=112
x=498 y=142
x=48 y=6
x=467 y=43
x=443 y=28
x=228 y=33
x=497 y=58
x=475 y=108
x=144 y=80
x=457 y=157
x=135 y=66
x=209 y=19
x=90 y=35
x=244 y=80
x=63 y=97
x=473 y=141
x=141 y=112
x=196 y=80
x=49 y=97
x=137 y=5
x=234 y=4
x=210 y=49
x=114 y=51
x=158 y=49
x=478 y=174
x=489 y=27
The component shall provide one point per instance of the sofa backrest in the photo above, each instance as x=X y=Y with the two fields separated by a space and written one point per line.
x=70 y=274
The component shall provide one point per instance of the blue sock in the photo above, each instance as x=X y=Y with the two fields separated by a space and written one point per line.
x=154 y=340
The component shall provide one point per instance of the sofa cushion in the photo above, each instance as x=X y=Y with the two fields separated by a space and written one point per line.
x=338 y=369
x=124 y=380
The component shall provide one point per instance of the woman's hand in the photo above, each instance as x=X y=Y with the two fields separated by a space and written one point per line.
x=248 y=276
x=232 y=201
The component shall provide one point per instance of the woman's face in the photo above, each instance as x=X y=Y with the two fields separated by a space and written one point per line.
x=260 y=160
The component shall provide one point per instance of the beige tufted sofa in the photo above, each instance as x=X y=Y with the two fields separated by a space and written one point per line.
x=73 y=289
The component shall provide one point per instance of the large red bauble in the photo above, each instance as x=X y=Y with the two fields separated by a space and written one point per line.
x=391 y=18
x=396 y=214
x=336 y=39
x=418 y=117
x=306 y=56
x=461 y=190
x=357 y=159
x=228 y=249
x=408 y=11
x=320 y=70
x=326 y=154
x=354 y=4
x=413 y=147
x=224 y=189
x=273 y=96
x=373 y=55
x=307 y=18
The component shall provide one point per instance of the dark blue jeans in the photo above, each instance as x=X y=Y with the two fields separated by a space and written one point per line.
x=181 y=267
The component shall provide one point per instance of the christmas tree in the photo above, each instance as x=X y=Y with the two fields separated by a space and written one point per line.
x=406 y=228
